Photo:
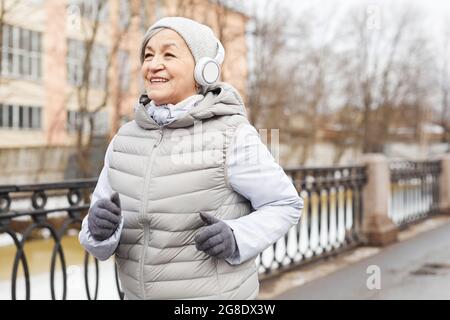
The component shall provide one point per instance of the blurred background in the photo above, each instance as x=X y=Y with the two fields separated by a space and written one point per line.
x=326 y=83
x=336 y=78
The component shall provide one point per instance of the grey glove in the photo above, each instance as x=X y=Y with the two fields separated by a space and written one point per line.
x=104 y=217
x=217 y=239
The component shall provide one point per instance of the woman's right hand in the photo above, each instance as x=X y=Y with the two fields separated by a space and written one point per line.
x=104 y=217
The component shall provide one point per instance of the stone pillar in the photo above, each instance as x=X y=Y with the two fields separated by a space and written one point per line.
x=378 y=228
x=444 y=184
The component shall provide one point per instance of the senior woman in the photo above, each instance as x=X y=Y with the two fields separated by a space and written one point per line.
x=188 y=195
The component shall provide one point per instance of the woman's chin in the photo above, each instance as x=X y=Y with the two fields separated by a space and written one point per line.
x=158 y=99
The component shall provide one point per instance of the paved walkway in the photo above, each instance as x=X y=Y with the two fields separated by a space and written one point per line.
x=416 y=268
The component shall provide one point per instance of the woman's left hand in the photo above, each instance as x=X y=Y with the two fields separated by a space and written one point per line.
x=217 y=239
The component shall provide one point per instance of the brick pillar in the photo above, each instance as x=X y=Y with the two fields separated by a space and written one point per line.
x=54 y=71
x=378 y=228
x=444 y=184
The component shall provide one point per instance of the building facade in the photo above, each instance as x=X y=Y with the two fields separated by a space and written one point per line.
x=72 y=62
x=43 y=63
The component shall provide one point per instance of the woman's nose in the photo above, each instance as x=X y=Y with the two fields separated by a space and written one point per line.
x=156 y=63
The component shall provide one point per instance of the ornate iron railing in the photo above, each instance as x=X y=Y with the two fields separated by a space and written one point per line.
x=331 y=219
x=331 y=222
x=414 y=190
x=77 y=198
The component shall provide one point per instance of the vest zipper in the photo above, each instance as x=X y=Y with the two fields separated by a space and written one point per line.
x=143 y=213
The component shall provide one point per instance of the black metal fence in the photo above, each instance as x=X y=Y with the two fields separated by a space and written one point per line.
x=331 y=218
x=331 y=221
x=414 y=190
x=70 y=200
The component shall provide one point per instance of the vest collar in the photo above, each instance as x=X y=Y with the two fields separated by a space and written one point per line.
x=220 y=99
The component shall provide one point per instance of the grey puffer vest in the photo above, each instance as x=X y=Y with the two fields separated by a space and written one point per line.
x=165 y=176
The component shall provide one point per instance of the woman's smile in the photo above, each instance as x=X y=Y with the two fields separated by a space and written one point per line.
x=156 y=81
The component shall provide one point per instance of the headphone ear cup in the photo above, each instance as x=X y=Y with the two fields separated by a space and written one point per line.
x=207 y=71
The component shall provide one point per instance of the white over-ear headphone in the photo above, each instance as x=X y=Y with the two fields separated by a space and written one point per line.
x=207 y=70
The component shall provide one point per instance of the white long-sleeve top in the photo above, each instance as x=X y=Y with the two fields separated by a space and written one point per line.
x=252 y=172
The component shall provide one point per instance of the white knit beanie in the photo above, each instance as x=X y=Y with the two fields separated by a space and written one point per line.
x=199 y=38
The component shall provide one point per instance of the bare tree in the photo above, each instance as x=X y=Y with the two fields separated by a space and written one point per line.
x=363 y=78
x=294 y=76
x=388 y=62
x=183 y=8
x=316 y=79
x=268 y=93
x=443 y=68
x=85 y=126
x=215 y=13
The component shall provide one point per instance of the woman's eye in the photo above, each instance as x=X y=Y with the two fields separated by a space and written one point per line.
x=148 y=55
x=169 y=55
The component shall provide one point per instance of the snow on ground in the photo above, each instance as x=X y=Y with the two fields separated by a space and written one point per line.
x=40 y=284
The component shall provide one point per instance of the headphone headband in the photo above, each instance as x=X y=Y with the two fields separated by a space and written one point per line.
x=220 y=53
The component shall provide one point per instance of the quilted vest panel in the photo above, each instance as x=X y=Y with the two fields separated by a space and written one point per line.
x=165 y=177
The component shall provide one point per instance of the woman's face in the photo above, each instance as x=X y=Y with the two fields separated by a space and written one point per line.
x=168 y=68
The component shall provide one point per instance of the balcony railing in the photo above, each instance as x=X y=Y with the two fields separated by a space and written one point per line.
x=69 y=202
x=414 y=190
x=331 y=218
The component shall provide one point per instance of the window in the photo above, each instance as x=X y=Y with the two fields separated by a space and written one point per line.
x=72 y=121
x=12 y=116
x=9 y=116
x=75 y=119
x=75 y=54
x=159 y=9
x=36 y=123
x=89 y=9
x=20 y=120
x=143 y=15
x=20 y=117
x=99 y=60
x=21 y=53
x=124 y=69
x=101 y=123
x=25 y=117
x=124 y=14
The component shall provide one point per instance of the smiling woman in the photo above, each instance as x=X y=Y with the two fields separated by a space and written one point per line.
x=168 y=68
x=189 y=228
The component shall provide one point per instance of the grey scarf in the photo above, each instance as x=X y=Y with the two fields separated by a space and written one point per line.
x=167 y=113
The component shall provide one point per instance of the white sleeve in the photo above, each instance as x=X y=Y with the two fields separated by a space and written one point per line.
x=102 y=250
x=254 y=173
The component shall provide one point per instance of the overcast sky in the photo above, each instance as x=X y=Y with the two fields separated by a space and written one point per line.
x=434 y=12
x=433 y=16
